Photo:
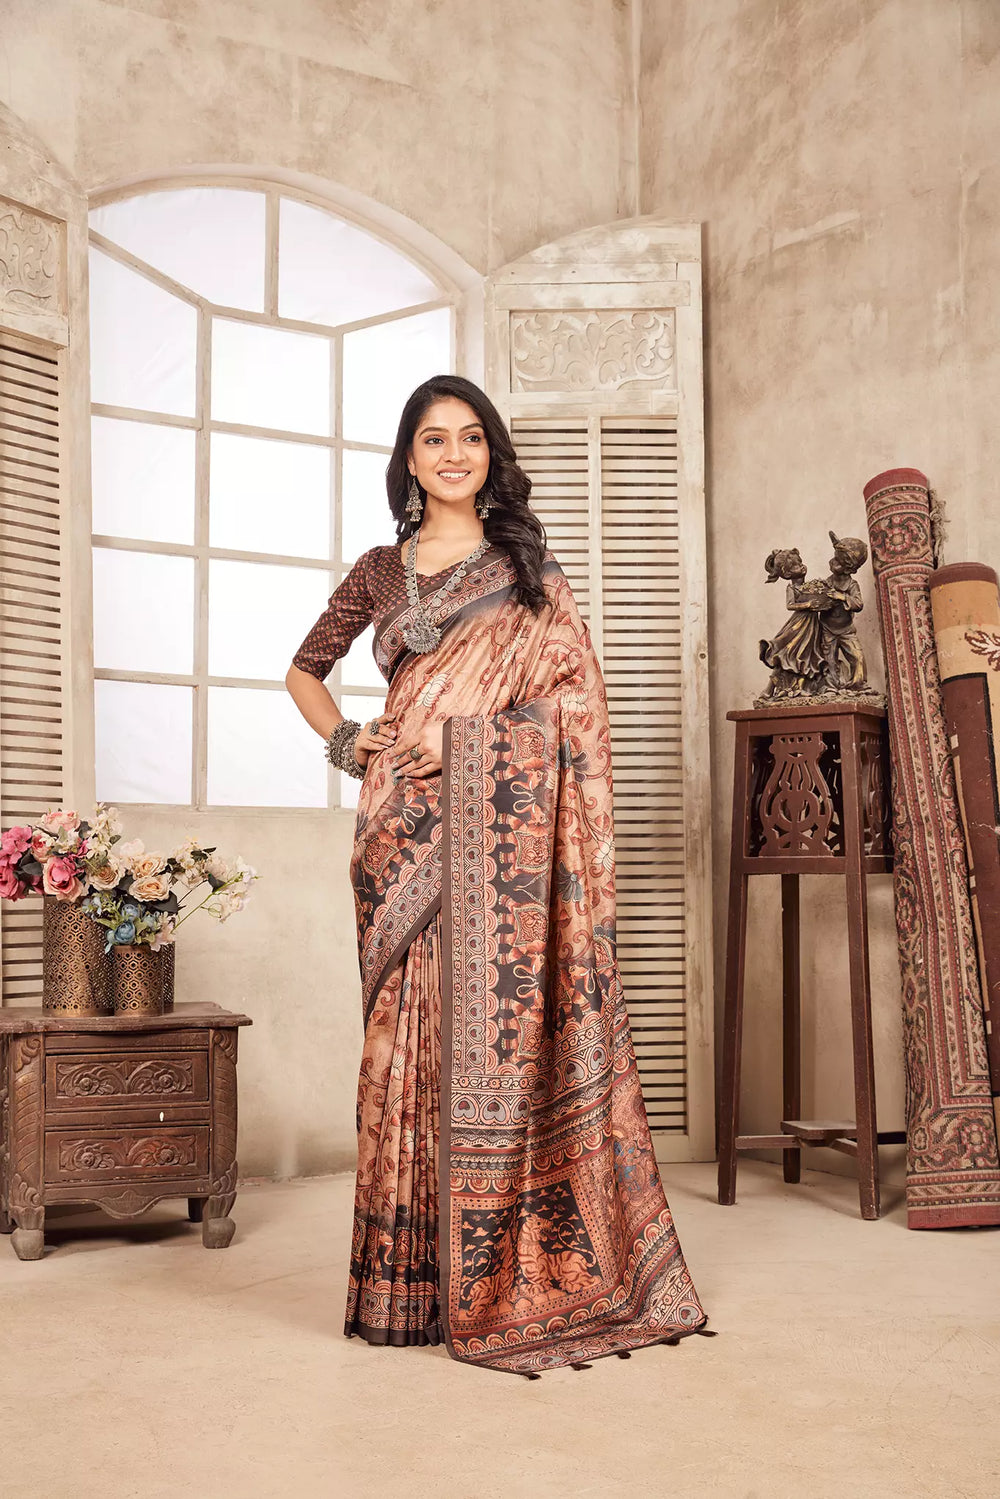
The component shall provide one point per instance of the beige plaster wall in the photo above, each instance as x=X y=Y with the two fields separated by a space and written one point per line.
x=496 y=127
x=844 y=159
x=492 y=127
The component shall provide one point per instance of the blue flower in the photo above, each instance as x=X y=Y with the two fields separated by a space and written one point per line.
x=123 y=933
x=131 y=910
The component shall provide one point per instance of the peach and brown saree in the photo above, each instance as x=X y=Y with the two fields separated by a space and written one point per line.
x=508 y=1198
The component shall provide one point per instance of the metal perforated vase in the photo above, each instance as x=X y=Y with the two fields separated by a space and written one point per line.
x=142 y=980
x=76 y=972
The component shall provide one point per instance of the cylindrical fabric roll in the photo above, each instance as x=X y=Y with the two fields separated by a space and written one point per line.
x=965 y=603
x=953 y=1164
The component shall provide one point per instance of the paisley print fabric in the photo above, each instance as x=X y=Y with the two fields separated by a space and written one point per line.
x=508 y=1198
x=952 y=1167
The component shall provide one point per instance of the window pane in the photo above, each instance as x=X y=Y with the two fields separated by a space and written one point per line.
x=142 y=341
x=358 y=667
x=258 y=614
x=382 y=365
x=265 y=377
x=269 y=496
x=360 y=709
x=143 y=611
x=143 y=742
x=143 y=480
x=330 y=271
x=261 y=751
x=210 y=239
x=365 y=508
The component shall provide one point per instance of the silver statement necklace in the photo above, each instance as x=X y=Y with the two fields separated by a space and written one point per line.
x=423 y=635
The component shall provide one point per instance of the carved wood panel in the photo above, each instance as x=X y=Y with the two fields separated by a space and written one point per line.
x=224 y=1167
x=72 y=1082
x=30 y=260
x=593 y=350
x=89 y=1155
x=25 y=1110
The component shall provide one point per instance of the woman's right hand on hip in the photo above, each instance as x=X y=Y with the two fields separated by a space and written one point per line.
x=383 y=737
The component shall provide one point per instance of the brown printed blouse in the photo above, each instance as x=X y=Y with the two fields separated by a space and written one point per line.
x=373 y=585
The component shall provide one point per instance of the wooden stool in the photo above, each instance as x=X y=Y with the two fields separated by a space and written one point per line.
x=810 y=796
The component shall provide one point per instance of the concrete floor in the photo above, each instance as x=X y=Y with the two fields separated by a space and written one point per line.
x=853 y=1360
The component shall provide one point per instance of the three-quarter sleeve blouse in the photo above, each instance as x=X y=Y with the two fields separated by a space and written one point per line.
x=348 y=612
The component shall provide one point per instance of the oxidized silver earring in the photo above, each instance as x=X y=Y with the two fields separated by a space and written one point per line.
x=414 y=504
x=484 y=502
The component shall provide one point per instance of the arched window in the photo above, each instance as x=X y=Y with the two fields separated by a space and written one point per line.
x=250 y=354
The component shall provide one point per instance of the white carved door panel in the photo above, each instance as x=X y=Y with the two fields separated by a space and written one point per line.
x=594 y=356
x=43 y=464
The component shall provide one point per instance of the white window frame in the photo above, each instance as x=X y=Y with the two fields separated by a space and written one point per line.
x=460 y=292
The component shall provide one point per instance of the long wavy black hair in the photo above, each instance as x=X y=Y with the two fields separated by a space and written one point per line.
x=511 y=523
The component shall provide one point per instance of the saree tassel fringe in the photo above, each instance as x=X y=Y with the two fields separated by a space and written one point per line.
x=953 y=1163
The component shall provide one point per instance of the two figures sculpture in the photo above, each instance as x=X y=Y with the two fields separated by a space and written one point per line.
x=816 y=655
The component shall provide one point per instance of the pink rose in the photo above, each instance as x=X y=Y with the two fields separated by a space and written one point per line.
x=55 y=822
x=60 y=878
x=15 y=841
x=11 y=888
x=41 y=843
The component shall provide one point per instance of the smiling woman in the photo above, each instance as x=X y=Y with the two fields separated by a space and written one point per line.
x=507 y=1196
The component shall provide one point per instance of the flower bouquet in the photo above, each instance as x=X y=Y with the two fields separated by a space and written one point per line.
x=98 y=881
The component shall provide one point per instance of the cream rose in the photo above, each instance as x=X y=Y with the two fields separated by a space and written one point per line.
x=144 y=865
x=149 y=887
x=106 y=874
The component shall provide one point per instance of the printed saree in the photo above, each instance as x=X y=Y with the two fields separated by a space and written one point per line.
x=508 y=1198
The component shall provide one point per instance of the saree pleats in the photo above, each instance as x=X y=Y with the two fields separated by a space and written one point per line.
x=393 y=1293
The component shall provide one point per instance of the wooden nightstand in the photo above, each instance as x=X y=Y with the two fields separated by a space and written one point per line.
x=120 y=1112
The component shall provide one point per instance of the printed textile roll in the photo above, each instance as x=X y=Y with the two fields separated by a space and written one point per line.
x=965 y=603
x=953 y=1166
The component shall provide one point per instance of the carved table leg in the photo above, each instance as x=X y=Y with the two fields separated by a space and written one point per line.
x=24 y=1113
x=28 y=1238
x=736 y=943
x=791 y=1004
x=217 y=1228
x=196 y=1208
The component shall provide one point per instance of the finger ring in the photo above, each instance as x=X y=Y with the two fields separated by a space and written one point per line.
x=374 y=726
x=415 y=753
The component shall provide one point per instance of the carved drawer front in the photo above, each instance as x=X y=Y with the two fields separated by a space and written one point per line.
x=137 y=1153
x=116 y=1080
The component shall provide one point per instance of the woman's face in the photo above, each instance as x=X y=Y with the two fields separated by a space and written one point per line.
x=450 y=456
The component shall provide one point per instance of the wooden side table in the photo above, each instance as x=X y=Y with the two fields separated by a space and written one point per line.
x=810 y=796
x=118 y=1111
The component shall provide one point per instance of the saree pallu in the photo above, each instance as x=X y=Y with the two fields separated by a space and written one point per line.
x=508 y=1198
x=952 y=1166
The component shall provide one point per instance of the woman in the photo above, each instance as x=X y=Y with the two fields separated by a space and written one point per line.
x=507 y=1194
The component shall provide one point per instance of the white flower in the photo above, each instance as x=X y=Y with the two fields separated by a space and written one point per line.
x=105 y=825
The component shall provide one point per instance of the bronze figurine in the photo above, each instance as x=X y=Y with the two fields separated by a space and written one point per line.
x=816 y=655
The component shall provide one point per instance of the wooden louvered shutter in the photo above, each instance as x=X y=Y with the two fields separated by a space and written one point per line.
x=595 y=360
x=42 y=245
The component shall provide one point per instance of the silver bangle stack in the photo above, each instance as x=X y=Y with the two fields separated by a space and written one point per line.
x=340 y=748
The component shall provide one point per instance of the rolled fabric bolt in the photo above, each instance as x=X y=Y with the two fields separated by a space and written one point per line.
x=953 y=1163
x=965 y=604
